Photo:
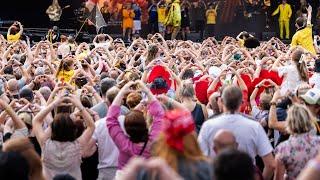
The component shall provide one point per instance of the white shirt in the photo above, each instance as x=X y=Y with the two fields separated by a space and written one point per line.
x=249 y=134
x=315 y=80
x=108 y=152
x=102 y=44
x=64 y=50
x=291 y=78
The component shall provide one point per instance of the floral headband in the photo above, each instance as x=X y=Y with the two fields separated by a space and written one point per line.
x=177 y=124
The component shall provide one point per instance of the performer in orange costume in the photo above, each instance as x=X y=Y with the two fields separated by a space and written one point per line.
x=127 y=22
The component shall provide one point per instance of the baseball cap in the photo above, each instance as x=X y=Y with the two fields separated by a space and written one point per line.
x=312 y=96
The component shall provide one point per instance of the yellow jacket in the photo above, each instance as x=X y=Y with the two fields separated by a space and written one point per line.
x=285 y=12
x=174 y=16
x=303 y=38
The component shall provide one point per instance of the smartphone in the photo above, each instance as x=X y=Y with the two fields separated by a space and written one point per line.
x=144 y=97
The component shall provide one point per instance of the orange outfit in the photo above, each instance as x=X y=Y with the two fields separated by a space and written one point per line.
x=128 y=15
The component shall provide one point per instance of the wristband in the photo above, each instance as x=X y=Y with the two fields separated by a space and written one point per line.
x=273 y=103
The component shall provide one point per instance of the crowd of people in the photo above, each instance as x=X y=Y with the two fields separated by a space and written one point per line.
x=160 y=109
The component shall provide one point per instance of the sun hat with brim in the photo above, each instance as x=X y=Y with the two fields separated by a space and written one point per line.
x=312 y=96
x=156 y=77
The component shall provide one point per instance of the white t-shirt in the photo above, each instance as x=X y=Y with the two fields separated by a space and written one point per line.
x=103 y=45
x=291 y=78
x=64 y=50
x=108 y=151
x=258 y=114
x=315 y=79
x=249 y=134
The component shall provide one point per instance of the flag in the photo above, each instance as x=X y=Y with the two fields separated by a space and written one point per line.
x=95 y=18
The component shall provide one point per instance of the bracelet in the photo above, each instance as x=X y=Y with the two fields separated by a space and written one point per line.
x=273 y=103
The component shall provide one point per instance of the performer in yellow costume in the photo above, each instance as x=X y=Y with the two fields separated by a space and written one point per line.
x=284 y=18
x=173 y=19
x=303 y=36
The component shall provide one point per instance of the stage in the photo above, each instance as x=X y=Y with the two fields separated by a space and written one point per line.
x=32 y=15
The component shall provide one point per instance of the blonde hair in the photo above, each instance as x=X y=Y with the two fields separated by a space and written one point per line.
x=299 y=120
x=191 y=151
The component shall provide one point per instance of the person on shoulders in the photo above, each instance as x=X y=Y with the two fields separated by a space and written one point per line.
x=303 y=36
x=14 y=32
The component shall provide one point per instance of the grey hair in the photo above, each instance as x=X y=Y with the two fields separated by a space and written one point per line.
x=187 y=90
x=232 y=98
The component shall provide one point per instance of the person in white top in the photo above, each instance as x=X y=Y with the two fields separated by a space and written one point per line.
x=102 y=40
x=249 y=134
x=294 y=73
x=108 y=152
x=64 y=49
x=315 y=78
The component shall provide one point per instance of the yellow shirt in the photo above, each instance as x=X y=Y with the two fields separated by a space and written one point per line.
x=211 y=16
x=13 y=38
x=303 y=38
x=285 y=12
x=65 y=76
x=161 y=15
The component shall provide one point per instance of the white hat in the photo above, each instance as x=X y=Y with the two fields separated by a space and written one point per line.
x=312 y=96
x=214 y=71
x=197 y=73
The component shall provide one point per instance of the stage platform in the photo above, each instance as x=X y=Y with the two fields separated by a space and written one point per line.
x=256 y=25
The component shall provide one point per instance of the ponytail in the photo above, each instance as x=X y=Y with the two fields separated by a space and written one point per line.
x=59 y=68
x=303 y=72
x=298 y=58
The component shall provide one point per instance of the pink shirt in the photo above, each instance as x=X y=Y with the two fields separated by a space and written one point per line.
x=128 y=149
